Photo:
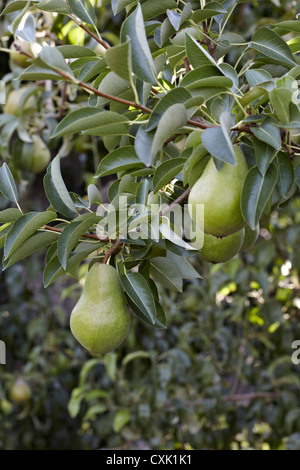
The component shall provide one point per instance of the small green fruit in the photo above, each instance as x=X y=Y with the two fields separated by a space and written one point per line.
x=100 y=320
x=31 y=156
x=16 y=57
x=250 y=237
x=220 y=192
x=219 y=250
x=20 y=391
x=13 y=103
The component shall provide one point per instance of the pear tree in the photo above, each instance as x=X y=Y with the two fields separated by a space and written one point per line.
x=194 y=119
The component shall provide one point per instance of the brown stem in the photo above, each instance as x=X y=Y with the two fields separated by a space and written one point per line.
x=207 y=42
x=117 y=246
x=187 y=65
x=86 y=235
x=90 y=33
x=179 y=200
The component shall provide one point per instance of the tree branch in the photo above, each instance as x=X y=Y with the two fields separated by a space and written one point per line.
x=86 y=235
x=90 y=33
x=117 y=246
x=179 y=200
x=207 y=42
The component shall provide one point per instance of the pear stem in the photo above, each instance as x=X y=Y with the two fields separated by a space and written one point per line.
x=117 y=246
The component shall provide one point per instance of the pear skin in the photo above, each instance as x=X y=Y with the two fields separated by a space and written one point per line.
x=100 y=320
x=219 y=250
x=220 y=192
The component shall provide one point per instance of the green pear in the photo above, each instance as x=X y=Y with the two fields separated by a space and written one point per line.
x=20 y=391
x=12 y=105
x=100 y=320
x=16 y=57
x=250 y=237
x=219 y=250
x=220 y=192
x=31 y=156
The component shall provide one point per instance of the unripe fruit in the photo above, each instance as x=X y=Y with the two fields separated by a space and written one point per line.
x=220 y=192
x=16 y=57
x=100 y=320
x=219 y=250
x=20 y=391
x=31 y=156
x=13 y=100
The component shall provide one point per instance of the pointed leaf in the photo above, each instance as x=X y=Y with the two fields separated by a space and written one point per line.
x=217 y=140
x=173 y=119
x=166 y=273
x=280 y=99
x=93 y=119
x=140 y=294
x=118 y=58
x=270 y=44
x=264 y=154
x=7 y=184
x=24 y=228
x=256 y=193
x=123 y=158
x=268 y=133
x=57 y=192
x=142 y=61
x=32 y=245
x=83 y=9
x=143 y=144
x=71 y=235
x=285 y=174
x=165 y=172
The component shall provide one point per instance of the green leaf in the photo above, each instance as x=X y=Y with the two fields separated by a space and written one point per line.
x=83 y=9
x=297 y=176
x=280 y=99
x=141 y=192
x=142 y=61
x=93 y=119
x=152 y=9
x=286 y=27
x=270 y=44
x=176 y=95
x=34 y=72
x=32 y=245
x=121 y=159
x=52 y=58
x=140 y=294
x=166 y=273
x=118 y=58
x=54 y=270
x=165 y=172
x=143 y=144
x=9 y=215
x=256 y=193
x=24 y=228
x=57 y=192
x=14 y=5
x=256 y=77
x=71 y=235
x=93 y=195
x=285 y=174
x=211 y=9
x=55 y=6
x=184 y=266
x=197 y=55
x=217 y=140
x=174 y=18
x=74 y=52
x=173 y=119
x=7 y=184
x=264 y=154
x=112 y=84
x=121 y=418
x=268 y=133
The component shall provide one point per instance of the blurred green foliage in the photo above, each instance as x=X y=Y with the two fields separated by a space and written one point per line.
x=221 y=375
